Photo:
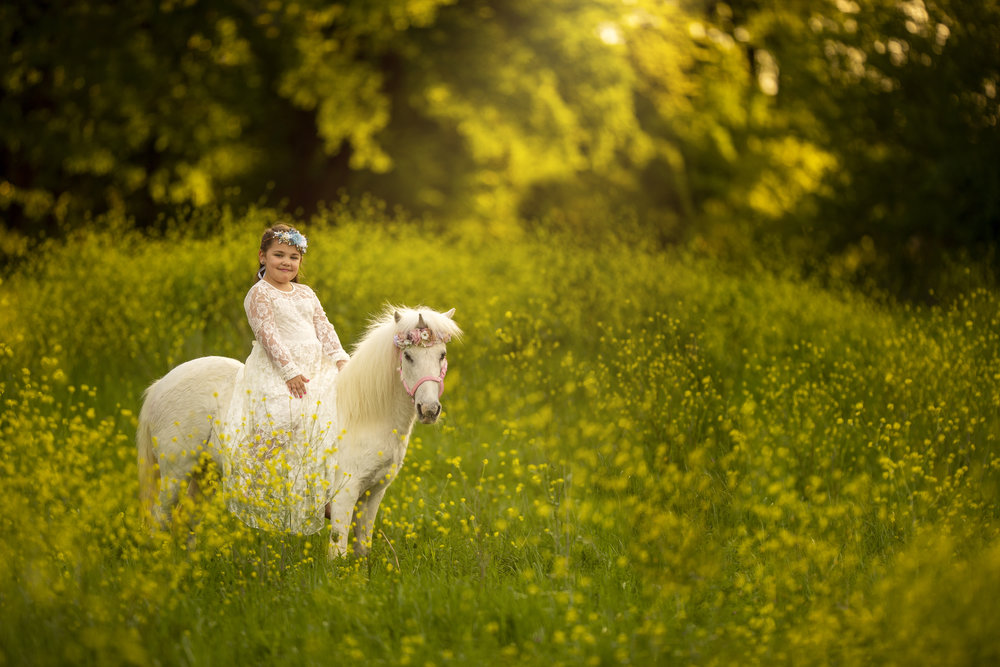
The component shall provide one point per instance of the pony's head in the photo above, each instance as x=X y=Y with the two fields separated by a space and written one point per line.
x=421 y=339
x=401 y=358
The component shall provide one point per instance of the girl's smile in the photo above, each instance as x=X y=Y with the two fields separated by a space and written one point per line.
x=281 y=265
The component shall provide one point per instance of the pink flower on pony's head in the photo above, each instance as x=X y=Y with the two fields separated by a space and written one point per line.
x=422 y=337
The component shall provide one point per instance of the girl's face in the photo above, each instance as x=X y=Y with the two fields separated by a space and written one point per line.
x=281 y=263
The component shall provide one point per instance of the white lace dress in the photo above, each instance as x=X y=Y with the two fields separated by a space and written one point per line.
x=278 y=448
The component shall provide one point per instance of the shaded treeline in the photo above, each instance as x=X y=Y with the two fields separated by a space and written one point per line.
x=863 y=132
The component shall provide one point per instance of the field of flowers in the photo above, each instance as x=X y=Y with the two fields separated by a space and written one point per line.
x=645 y=457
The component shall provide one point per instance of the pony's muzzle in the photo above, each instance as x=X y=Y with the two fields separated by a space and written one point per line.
x=428 y=413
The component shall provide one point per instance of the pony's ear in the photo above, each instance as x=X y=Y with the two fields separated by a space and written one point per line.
x=396 y=316
x=450 y=314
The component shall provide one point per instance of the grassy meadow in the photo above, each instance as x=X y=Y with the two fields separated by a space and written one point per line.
x=646 y=457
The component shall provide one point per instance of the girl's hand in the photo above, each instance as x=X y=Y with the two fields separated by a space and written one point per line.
x=297 y=386
x=340 y=365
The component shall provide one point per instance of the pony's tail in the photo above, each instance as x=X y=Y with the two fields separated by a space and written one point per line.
x=149 y=467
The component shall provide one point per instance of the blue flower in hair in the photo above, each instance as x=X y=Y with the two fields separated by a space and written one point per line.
x=293 y=237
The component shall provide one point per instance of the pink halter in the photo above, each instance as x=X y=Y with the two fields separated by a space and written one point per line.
x=430 y=378
x=422 y=337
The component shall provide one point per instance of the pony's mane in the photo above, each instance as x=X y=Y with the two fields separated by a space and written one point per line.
x=369 y=384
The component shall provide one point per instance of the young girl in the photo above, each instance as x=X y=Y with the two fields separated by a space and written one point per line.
x=280 y=431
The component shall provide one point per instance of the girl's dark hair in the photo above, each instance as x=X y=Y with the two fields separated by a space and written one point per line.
x=267 y=240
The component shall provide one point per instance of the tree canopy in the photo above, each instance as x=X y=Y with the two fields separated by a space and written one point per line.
x=850 y=124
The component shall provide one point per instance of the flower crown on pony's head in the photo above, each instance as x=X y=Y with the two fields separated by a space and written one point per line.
x=423 y=337
x=292 y=237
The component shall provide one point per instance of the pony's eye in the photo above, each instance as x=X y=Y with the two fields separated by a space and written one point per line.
x=408 y=357
x=443 y=355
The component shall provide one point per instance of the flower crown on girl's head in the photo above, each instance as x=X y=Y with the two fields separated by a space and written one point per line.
x=292 y=237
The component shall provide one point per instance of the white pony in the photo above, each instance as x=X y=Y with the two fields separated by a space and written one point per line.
x=395 y=376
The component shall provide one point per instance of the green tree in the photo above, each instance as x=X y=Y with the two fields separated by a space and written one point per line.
x=157 y=103
x=903 y=95
x=456 y=110
x=494 y=101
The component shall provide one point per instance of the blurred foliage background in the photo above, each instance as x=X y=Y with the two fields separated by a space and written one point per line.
x=703 y=411
x=858 y=137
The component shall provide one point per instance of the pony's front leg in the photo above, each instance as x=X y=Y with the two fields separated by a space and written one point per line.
x=341 y=508
x=364 y=519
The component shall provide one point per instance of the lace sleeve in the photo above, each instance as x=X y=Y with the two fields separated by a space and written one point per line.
x=260 y=313
x=326 y=334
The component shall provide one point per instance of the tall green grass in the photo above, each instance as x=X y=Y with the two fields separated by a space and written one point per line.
x=645 y=457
